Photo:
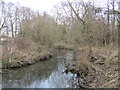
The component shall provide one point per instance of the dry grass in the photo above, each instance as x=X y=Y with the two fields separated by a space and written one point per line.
x=29 y=53
x=64 y=45
x=105 y=66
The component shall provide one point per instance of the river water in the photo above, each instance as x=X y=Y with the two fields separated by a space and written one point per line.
x=45 y=74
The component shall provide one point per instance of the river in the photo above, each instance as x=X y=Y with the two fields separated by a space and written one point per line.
x=45 y=74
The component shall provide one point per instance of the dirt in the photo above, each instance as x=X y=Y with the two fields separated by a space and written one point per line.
x=101 y=71
x=106 y=65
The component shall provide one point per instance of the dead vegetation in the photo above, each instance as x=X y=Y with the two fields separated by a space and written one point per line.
x=101 y=70
x=77 y=25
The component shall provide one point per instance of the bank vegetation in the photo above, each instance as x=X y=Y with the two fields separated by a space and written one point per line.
x=87 y=29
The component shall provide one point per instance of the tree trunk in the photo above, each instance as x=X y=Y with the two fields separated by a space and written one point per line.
x=12 y=29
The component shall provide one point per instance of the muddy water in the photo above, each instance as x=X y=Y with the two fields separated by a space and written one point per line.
x=45 y=74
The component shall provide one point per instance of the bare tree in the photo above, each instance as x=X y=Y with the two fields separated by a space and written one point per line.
x=108 y=10
x=2 y=18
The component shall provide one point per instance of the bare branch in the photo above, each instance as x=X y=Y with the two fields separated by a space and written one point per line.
x=78 y=17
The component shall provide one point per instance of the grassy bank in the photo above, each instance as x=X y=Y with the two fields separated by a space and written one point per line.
x=23 y=58
x=23 y=62
x=28 y=36
x=100 y=71
x=19 y=59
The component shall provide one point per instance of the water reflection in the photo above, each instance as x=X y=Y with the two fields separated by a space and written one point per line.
x=46 y=74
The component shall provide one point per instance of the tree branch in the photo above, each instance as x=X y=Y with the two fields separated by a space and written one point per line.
x=78 y=17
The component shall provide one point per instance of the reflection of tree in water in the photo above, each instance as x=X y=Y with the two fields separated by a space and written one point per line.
x=44 y=74
x=25 y=76
x=58 y=79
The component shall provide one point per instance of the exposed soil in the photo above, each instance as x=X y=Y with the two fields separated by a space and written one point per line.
x=101 y=71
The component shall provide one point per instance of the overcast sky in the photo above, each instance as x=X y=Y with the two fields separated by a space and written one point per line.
x=46 y=5
x=41 y=5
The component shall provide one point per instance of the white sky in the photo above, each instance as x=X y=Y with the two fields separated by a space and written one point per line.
x=41 y=5
x=46 y=5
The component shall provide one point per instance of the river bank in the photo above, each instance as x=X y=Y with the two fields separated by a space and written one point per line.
x=44 y=74
x=23 y=60
x=26 y=60
x=101 y=71
x=31 y=57
x=24 y=63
